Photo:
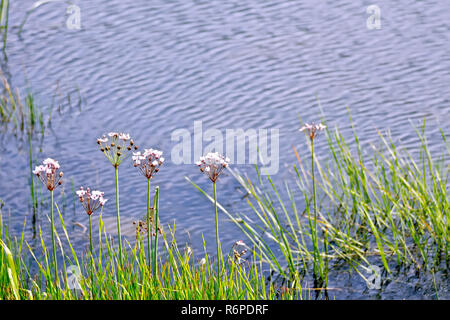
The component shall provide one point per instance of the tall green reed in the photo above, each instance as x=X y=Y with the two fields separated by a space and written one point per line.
x=4 y=17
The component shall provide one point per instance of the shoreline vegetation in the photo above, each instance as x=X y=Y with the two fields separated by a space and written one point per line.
x=375 y=212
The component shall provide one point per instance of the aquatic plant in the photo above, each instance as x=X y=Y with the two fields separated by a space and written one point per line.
x=50 y=177
x=4 y=17
x=312 y=131
x=148 y=164
x=116 y=148
x=213 y=165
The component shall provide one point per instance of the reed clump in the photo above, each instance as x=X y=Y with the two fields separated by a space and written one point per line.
x=387 y=209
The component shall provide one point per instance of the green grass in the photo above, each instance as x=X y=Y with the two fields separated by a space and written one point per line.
x=106 y=275
x=4 y=17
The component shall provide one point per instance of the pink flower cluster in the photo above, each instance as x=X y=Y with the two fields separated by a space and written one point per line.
x=148 y=162
x=213 y=164
x=48 y=173
x=116 y=146
x=91 y=200
x=313 y=129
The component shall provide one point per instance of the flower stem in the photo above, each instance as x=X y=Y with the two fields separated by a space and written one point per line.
x=217 y=231
x=53 y=235
x=155 y=249
x=116 y=168
x=91 y=247
x=149 y=227
x=317 y=260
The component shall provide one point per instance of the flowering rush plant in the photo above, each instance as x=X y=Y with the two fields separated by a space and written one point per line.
x=212 y=164
x=313 y=129
x=91 y=200
x=48 y=173
x=116 y=146
x=148 y=162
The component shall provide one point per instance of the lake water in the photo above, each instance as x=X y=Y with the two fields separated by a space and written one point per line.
x=151 y=67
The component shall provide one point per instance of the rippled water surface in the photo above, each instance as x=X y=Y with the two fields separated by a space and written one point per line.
x=150 y=67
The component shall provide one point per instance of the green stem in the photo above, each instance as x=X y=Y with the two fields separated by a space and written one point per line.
x=32 y=182
x=116 y=170
x=149 y=227
x=317 y=262
x=314 y=184
x=53 y=235
x=91 y=246
x=315 y=209
x=217 y=230
x=155 y=249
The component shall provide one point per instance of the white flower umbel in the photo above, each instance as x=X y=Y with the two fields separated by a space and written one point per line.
x=91 y=200
x=213 y=164
x=148 y=162
x=313 y=129
x=48 y=173
x=116 y=148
